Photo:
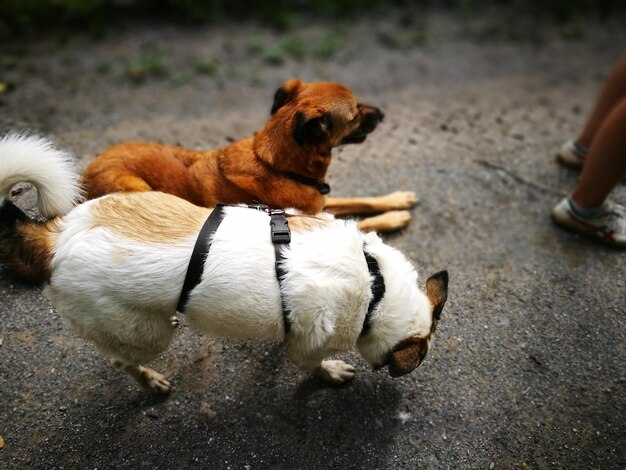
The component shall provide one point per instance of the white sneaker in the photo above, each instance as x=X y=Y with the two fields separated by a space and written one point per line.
x=608 y=227
x=569 y=155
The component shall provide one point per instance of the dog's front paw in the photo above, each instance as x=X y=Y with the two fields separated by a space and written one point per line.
x=154 y=381
x=395 y=220
x=337 y=372
x=402 y=199
x=175 y=321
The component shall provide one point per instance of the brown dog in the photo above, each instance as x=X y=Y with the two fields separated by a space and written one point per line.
x=283 y=165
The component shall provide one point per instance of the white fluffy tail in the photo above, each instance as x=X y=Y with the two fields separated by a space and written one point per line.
x=32 y=159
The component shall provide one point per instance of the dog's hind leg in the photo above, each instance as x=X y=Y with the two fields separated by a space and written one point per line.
x=106 y=182
x=147 y=378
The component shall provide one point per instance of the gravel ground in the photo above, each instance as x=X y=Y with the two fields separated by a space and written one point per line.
x=526 y=370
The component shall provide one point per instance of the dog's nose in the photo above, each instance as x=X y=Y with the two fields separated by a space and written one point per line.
x=379 y=114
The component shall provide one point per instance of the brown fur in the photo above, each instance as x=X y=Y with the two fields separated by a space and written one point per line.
x=410 y=352
x=437 y=292
x=407 y=355
x=28 y=251
x=149 y=218
x=298 y=223
x=308 y=120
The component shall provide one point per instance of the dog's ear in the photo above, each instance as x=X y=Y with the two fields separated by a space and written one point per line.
x=407 y=355
x=437 y=292
x=284 y=93
x=311 y=130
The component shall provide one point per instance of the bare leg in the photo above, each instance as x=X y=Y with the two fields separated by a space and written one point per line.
x=147 y=378
x=606 y=161
x=613 y=90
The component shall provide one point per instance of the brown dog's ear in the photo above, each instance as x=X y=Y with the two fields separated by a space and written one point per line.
x=407 y=355
x=311 y=130
x=283 y=94
x=437 y=292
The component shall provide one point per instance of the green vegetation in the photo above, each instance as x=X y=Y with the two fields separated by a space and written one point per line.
x=145 y=66
x=23 y=17
x=255 y=45
x=273 y=55
x=208 y=66
x=28 y=16
x=329 y=45
x=295 y=47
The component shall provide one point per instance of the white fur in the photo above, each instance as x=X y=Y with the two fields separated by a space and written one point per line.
x=121 y=292
x=114 y=291
x=36 y=160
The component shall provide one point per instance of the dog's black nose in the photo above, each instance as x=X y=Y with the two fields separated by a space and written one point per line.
x=379 y=114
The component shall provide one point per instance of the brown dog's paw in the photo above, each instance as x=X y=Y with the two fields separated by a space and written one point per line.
x=387 y=222
x=397 y=219
x=174 y=321
x=402 y=200
x=336 y=372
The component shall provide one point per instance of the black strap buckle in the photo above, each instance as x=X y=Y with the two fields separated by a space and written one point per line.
x=279 y=227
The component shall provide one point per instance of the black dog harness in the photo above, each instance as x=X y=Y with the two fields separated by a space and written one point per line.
x=280 y=235
x=378 y=291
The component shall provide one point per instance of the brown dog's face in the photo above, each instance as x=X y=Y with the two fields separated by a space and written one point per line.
x=324 y=115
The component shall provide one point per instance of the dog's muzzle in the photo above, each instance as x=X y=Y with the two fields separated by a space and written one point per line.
x=393 y=372
x=371 y=118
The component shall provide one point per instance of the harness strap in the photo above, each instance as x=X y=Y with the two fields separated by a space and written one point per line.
x=199 y=255
x=378 y=291
x=281 y=235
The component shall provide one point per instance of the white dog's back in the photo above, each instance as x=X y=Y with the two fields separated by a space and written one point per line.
x=325 y=273
x=126 y=281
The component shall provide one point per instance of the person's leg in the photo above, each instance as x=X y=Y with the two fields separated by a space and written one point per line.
x=605 y=164
x=587 y=210
x=613 y=90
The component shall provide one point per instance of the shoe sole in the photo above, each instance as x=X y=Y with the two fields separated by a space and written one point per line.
x=571 y=163
x=587 y=233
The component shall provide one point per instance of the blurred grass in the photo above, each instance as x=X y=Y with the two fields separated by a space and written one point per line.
x=30 y=17
x=146 y=65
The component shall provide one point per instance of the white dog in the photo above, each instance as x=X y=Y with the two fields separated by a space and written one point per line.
x=115 y=267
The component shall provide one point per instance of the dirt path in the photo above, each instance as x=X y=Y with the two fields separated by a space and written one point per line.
x=528 y=369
